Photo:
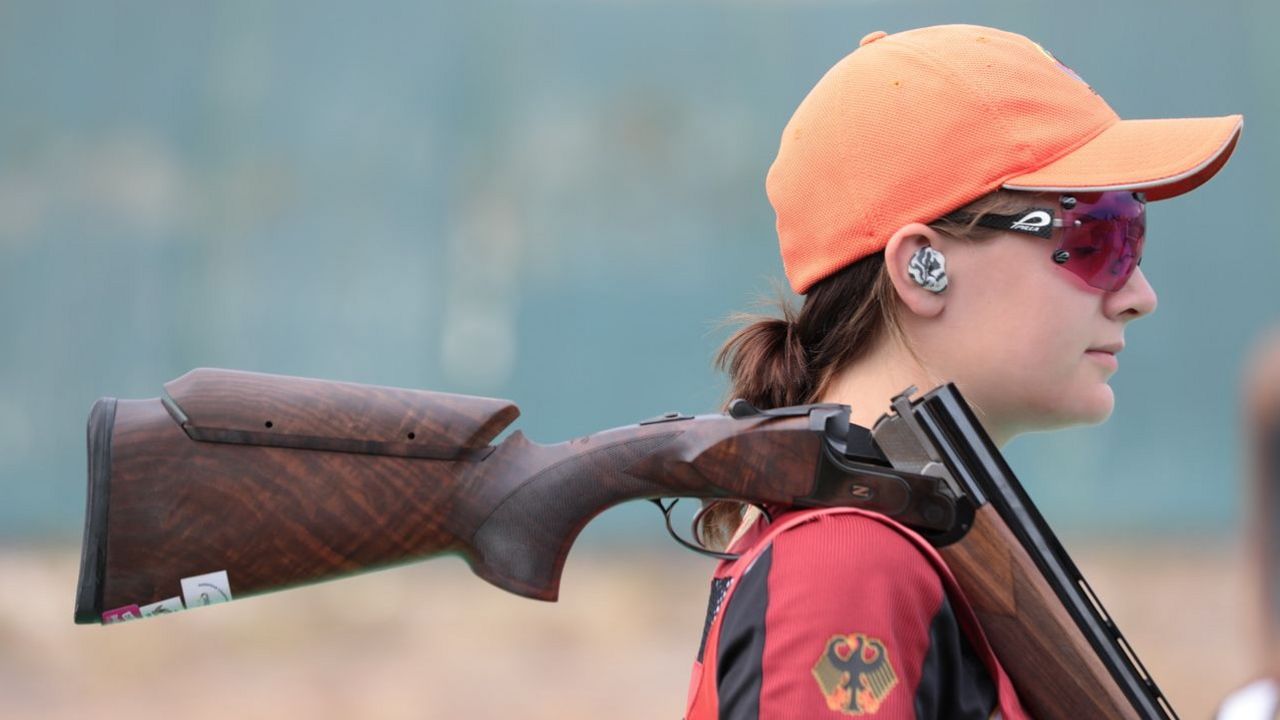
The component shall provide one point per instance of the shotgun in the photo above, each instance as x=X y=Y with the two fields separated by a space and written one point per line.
x=236 y=483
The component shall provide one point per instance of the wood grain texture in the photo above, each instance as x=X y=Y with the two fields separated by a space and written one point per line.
x=275 y=515
x=269 y=516
x=1056 y=672
x=279 y=410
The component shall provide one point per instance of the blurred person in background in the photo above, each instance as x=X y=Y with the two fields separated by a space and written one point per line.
x=955 y=205
x=1260 y=698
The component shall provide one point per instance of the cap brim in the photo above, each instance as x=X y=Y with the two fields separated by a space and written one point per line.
x=1162 y=158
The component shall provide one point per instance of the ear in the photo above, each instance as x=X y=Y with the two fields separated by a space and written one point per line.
x=903 y=244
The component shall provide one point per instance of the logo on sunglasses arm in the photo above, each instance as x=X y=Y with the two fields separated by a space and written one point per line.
x=1037 y=222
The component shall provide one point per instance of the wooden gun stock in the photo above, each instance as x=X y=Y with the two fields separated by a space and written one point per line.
x=278 y=481
x=275 y=480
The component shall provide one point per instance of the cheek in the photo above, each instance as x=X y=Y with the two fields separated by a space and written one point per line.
x=1035 y=353
x=1049 y=377
x=1038 y=333
x=1026 y=325
x=1048 y=315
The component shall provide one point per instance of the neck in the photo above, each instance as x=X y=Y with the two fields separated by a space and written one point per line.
x=870 y=384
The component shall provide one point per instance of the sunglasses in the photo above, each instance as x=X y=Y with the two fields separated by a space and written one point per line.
x=1101 y=236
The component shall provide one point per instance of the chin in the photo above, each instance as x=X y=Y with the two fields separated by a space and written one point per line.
x=1091 y=406
x=1095 y=406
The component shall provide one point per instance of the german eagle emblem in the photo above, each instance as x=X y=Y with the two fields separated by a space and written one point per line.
x=854 y=674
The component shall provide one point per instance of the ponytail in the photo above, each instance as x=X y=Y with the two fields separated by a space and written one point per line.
x=766 y=360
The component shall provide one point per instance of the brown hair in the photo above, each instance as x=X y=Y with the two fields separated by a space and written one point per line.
x=792 y=359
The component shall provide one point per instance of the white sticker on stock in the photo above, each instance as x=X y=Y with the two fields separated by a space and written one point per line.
x=164 y=607
x=206 y=589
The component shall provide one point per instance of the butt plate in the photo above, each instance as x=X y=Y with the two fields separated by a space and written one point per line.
x=93 y=557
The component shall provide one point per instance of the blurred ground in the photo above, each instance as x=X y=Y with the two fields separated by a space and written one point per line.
x=433 y=641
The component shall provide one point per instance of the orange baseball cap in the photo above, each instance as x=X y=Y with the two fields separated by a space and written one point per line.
x=911 y=126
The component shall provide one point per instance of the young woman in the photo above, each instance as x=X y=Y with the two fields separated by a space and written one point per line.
x=955 y=205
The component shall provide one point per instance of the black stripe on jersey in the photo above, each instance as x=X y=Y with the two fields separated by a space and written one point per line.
x=719 y=586
x=954 y=684
x=740 y=651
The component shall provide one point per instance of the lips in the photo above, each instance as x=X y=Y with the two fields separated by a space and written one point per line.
x=1106 y=358
x=1110 y=349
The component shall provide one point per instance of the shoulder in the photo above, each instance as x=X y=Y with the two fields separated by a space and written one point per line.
x=845 y=549
x=844 y=525
x=835 y=569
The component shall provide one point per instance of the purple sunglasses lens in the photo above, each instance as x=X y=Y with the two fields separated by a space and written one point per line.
x=1106 y=245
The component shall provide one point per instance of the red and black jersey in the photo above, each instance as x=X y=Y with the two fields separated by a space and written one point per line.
x=838 y=612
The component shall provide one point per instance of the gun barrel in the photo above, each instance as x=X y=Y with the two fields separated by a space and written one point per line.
x=1068 y=658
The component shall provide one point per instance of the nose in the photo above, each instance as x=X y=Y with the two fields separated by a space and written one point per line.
x=1136 y=299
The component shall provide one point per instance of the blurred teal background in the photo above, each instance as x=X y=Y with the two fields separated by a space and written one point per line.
x=550 y=202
